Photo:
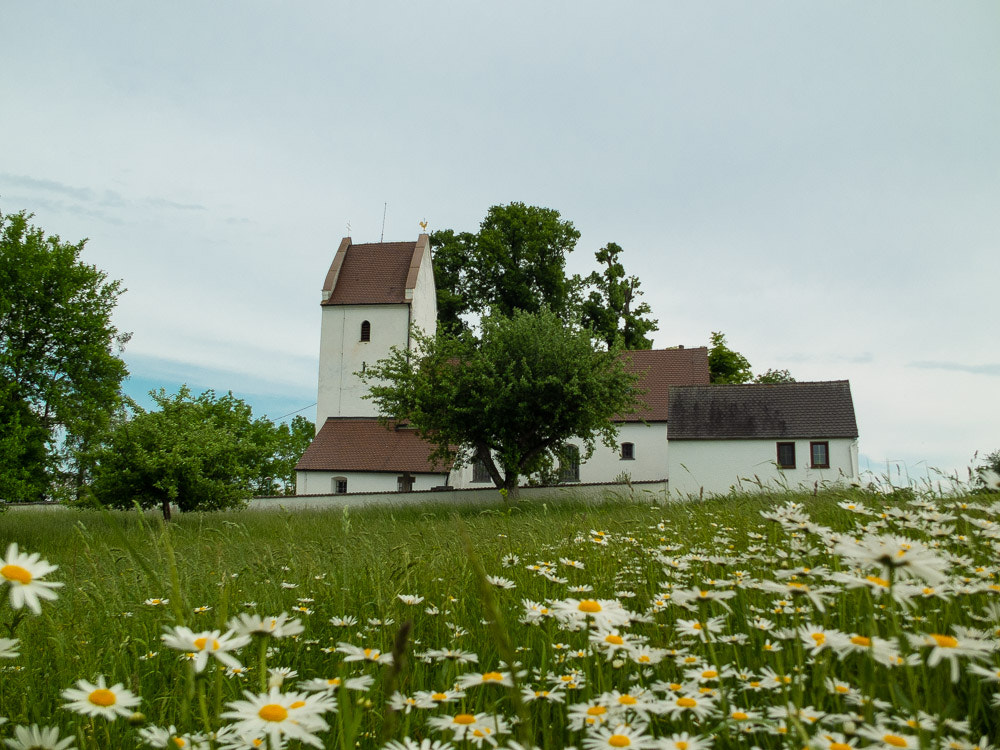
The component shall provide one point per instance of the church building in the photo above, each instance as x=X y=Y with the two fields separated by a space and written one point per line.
x=375 y=294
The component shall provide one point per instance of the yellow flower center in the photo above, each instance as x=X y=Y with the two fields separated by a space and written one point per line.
x=860 y=640
x=179 y=741
x=944 y=641
x=687 y=702
x=842 y=689
x=615 y=639
x=619 y=740
x=839 y=746
x=16 y=573
x=298 y=704
x=681 y=745
x=690 y=659
x=439 y=696
x=878 y=581
x=755 y=683
x=102 y=697
x=465 y=719
x=492 y=677
x=589 y=606
x=820 y=638
x=200 y=644
x=273 y=712
x=894 y=739
x=335 y=682
x=627 y=700
x=740 y=716
x=709 y=674
x=372 y=654
x=697 y=626
x=644 y=659
x=596 y=711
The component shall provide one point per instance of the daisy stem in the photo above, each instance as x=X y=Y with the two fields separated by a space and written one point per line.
x=203 y=706
x=262 y=661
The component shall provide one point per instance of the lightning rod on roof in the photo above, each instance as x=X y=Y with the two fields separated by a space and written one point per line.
x=385 y=207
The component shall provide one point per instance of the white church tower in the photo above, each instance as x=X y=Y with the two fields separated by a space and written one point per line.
x=373 y=294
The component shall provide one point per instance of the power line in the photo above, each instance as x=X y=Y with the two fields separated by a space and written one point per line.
x=294 y=412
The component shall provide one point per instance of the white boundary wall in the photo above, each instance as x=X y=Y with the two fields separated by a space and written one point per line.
x=653 y=492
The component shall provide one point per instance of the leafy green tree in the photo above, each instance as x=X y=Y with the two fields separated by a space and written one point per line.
x=730 y=367
x=612 y=310
x=725 y=365
x=60 y=373
x=290 y=442
x=195 y=452
x=774 y=376
x=510 y=399
x=516 y=261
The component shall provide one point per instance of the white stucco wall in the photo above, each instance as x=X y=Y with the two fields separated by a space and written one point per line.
x=713 y=467
x=606 y=465
x=321 y=482
x=423 y=306
x=342 y=353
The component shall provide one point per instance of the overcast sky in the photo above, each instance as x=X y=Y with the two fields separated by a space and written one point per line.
x=818 y=180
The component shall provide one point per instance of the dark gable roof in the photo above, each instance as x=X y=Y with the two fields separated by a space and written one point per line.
x=659 y=370
x=374 y=273
x=361 y=444
x=778 y=410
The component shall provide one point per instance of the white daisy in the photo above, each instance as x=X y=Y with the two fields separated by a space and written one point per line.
x=98 y=699
x=23 y=573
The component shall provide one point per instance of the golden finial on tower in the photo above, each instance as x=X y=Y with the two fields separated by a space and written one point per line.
x=423 y=225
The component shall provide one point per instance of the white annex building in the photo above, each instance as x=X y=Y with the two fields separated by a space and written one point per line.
x=699 y=438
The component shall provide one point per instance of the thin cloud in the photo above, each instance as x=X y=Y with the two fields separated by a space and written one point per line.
x=993 y=370
x=51 y=186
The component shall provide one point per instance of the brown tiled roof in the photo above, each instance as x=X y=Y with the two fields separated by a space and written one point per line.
x=776 y=410
x=373 y=273
x=658 y=370
x=361 y=444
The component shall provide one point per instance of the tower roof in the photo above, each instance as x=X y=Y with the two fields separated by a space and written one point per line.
x=374 y=273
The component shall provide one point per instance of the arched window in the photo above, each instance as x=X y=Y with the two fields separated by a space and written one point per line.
x=366 y=331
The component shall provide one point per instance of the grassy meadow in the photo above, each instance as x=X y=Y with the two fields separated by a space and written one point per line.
x=846 y=620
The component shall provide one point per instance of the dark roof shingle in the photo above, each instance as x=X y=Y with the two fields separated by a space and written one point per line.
x=362 y=444
x=775 y=410
x=658 y=370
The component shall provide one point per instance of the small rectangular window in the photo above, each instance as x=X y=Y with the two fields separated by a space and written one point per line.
x=820 y=454
x=628 y=451
x=339 y=486
x=786 y=455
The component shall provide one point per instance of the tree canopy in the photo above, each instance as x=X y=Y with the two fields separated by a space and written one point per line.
x=730 y=367
x=510 y=399
x=60 y=373
x=612 y=310
x=197 y=453
x=516 y=261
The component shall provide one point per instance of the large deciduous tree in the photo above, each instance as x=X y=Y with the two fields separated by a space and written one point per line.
x=510 y=399
x=195 y=453
x=516 y=261
x=60 y=373
x=726 y=366
x=612 y=309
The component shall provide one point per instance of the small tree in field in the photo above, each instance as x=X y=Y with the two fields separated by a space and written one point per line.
x=510 y=399
x=196 y=453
